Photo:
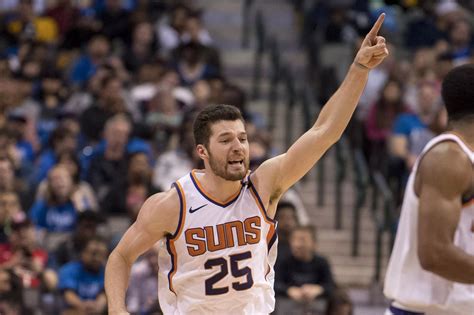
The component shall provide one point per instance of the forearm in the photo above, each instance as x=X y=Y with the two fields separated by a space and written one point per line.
x=452 y=263
x=117 y=273
x=337 y=112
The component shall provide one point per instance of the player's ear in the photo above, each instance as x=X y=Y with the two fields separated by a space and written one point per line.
x=202 y=151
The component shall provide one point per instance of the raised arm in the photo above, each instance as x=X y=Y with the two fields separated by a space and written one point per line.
x=445 y=174
x=276 y=175
x=157 y=218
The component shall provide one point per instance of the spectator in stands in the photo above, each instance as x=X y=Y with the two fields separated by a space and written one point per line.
x=11 y=293
x=410 y=130
x=26 y=258
x=109 y=103
x=423 y=30
x=127 y=194
x=170 y=30
x=380 y=121
x=86 y=229
x=304 y=276
x=142 y=293
x=176 y=162
x=65 y=13
x=57 y=212
x=191 y=65
x=61 y=140
x=8 y=181
x=143 y=47
x=51 y=98
x=163 y=117
x=287 y=221
x=98 y=50
x=460 y=40
x=108 y=163
x=10 y=211
x=82 y=281
x=25 y=24
x=115 y=21
x=83 y=195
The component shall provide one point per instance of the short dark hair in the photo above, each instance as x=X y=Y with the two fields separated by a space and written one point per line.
x=458 y=92
x=210 y=115
x=311 y=229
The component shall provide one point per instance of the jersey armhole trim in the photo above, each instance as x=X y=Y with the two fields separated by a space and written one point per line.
x=182 y=210
x=259 y=202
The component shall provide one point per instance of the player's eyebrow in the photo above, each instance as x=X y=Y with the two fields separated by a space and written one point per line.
x=228 y=133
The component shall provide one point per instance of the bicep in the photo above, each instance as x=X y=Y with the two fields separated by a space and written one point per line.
x=443 y=177
x=156 y=219
x=438 y=217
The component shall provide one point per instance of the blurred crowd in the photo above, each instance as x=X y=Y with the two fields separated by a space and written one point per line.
x=401 y=108
x=97 y=100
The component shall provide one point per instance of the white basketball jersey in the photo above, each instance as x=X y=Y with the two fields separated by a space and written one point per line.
x=406 y=282
x=220 y=260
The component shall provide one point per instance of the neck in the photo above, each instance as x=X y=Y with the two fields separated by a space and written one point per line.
x=218 y=187
x=465 y=130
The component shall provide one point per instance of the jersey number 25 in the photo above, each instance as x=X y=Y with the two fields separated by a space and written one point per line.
x=235 y=271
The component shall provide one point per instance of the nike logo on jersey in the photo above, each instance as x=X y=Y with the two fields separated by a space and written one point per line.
x=191 y=210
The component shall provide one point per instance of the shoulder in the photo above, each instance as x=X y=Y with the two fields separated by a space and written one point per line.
x=446 y=166
x=161 y=212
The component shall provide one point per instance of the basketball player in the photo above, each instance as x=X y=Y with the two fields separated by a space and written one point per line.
x=217 y=224
x=431 y=270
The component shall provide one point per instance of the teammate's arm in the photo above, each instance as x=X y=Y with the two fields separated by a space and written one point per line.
x=443 y=177
x=283 y=171
x=157 y=218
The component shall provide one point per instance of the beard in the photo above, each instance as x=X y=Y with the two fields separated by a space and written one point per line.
x=221 y=169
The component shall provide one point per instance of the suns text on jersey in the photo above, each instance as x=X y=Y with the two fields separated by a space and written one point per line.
x=226 y=235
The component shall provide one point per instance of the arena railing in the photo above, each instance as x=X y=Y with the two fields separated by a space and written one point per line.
x=361 y=183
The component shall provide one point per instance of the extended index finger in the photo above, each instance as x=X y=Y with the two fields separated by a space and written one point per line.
x=376 y=28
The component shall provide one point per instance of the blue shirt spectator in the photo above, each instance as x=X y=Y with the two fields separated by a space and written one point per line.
x=74 y=276
x=54 y=218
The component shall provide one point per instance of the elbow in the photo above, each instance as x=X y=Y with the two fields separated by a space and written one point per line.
x=429 y=259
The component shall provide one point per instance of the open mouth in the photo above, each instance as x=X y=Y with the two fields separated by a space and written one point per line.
x=236 y=162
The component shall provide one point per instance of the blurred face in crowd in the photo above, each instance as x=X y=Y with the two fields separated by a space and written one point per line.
x=302 y=244
x=202 y=92
x=427 y=97
x=23 y=237
x=86 y=229
x=9 y=205
x=117 y=133
x=112 y=92
x=60 y=181
x=51 y=85
x=7 y=173
x=178 y=18
x=99 y=48
x=68 y=143
x=392 y=92
x=193 y=27
x=286 y=218
x=229 y=150
x=94 y=255
x=460 y=33
x=143 y=33
x=5 y=282
x=66 y=161
x=139 y=164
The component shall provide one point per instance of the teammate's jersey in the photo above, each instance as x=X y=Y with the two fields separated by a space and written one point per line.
x=220 y=260
x=406 y=282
